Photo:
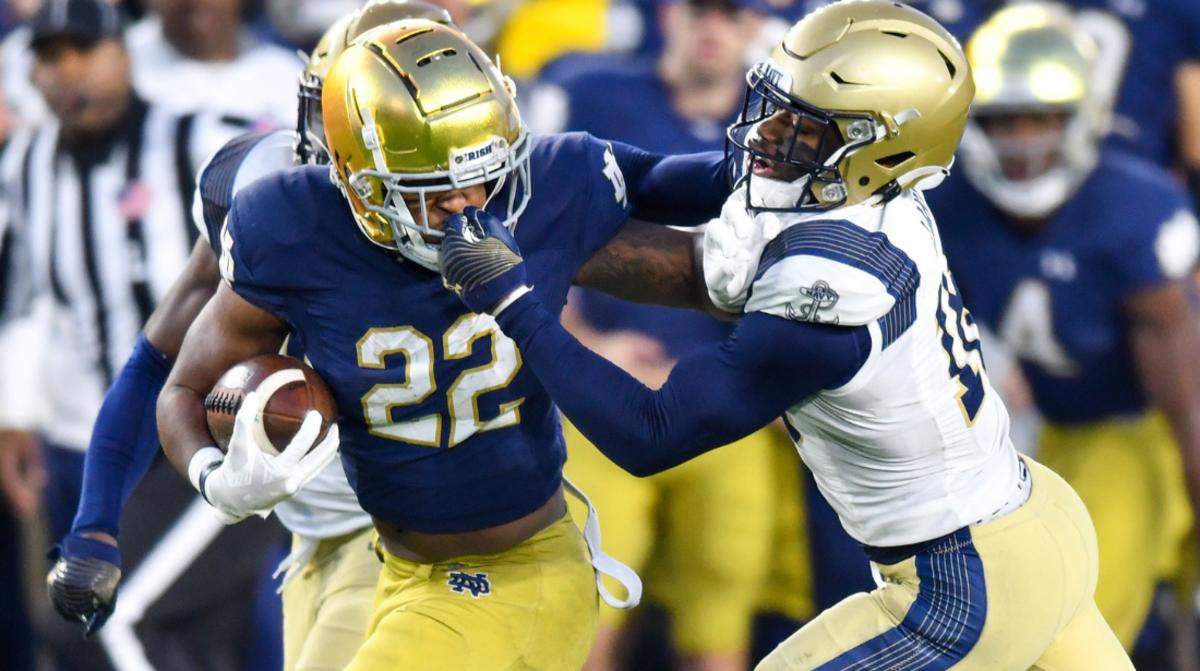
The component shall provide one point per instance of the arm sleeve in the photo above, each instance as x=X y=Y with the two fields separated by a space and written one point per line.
x=713 y=397
x=684 y=190
x=124 y=440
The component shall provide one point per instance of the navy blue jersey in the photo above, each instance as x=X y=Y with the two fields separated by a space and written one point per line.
x=1057 y=298
x=627 y=102
x=1163 y=35
x=443 y=429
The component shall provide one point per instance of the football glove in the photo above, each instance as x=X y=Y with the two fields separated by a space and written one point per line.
x=480 y=261
x=82 y=584
x=248 y=481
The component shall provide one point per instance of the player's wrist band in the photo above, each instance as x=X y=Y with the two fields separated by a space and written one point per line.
x=510 y=299
x=203 y=463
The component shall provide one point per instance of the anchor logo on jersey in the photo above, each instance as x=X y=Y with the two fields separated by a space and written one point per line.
x=477 y=584
x=820 y=296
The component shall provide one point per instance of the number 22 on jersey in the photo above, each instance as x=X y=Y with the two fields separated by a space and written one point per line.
x=462 y=395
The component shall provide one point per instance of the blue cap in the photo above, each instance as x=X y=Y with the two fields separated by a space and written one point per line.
x=83 y=20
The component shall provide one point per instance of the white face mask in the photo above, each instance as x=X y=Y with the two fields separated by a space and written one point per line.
x=1058 y=163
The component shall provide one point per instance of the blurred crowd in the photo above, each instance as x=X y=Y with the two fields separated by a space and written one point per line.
x=731 y=566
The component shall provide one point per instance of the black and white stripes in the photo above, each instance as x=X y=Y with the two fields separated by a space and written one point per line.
x=102 y=229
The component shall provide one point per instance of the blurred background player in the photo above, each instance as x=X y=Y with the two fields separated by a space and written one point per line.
x=679 y=102
x=100 y=198
x=198 y=54
x=329 y=586
x=1076 y=256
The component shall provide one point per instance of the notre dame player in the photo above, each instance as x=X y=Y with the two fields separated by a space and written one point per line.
x=329 y=587
x=447 y=438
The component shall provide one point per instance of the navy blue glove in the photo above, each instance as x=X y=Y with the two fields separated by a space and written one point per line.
x=83 y=581
x=480 y=261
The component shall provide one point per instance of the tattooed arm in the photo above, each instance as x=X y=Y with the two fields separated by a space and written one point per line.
x=648 y=263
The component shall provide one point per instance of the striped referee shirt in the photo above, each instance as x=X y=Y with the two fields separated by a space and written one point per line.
x=98 y=232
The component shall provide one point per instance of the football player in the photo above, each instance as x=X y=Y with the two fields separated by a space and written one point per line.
x=329 y=586
x=1075 y=256
x=447 y=438
x=855 y=332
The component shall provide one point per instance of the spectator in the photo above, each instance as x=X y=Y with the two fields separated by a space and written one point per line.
x=99 y=200
x=196 y=54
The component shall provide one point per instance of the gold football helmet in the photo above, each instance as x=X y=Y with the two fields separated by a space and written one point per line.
x=1035 y=65
x=864 y=98
x=416 y=108
x=310 y=133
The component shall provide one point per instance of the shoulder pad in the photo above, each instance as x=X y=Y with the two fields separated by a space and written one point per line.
x=835 y=272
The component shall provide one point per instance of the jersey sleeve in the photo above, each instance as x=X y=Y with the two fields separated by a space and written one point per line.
x=262 y=243
x=600 y=204
x=835 y=272
x=1160 y=245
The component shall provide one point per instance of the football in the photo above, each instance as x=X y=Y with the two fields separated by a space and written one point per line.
x=288 y=389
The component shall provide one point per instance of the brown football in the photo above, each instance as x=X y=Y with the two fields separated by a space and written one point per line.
x=291 y=387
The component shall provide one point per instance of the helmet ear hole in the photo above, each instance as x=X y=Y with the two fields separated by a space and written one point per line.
x=893 y=160
x=949 y=64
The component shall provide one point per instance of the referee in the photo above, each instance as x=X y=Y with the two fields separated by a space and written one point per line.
x=99 y=201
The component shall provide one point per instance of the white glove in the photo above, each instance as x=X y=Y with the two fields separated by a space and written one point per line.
x=733 y=244
x=246 y=480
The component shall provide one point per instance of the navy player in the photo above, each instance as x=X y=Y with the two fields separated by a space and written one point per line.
x=1074 y=256
x=332 y=572
x=855 y=332
x=447 y=438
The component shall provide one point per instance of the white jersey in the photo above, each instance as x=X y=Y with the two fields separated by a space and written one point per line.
x=327 y=506
x=916 y=444
x=259 y=85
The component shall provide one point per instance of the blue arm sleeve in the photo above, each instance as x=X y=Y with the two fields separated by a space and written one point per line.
x=684 y=190
x=713 y=397
x=124 y=440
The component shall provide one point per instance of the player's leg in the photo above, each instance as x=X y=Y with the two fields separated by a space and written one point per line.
x=717 y=512
x=995 y=597
x=1086 y=644
x=627 y=527
x=1132 y=494
x=533 y=607
x=327 y=606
